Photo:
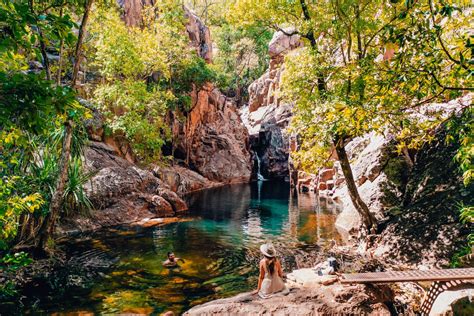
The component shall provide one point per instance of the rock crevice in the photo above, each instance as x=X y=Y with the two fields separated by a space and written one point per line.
x=266 y=116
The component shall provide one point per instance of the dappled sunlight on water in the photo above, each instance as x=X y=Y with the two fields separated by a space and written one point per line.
x=219 y=248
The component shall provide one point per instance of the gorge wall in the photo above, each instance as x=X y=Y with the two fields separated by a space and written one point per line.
x=212 y=149
x=266 y=116
x=417 y=207
x=213 y=141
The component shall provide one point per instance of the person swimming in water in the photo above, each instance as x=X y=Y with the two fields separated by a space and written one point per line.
x=172 y=261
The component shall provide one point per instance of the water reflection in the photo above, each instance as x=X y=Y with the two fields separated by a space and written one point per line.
x=220 y=248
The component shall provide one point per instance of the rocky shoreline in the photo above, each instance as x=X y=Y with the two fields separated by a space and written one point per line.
x=311 y=294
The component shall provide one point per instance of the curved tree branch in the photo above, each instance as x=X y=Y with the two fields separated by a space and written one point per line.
x=447 y=87
x=438 y=36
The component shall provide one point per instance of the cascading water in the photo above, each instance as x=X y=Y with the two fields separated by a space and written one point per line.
x=260 y=177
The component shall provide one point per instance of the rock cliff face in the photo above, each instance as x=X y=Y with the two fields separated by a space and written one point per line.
x=425 y=227
x=369 y=156
x=265 y=116
x=216 y=140
x=199 y=35
x=132 y=10
x=418 y=209
x=121 y=192
x=213 y=140
x=198 y=32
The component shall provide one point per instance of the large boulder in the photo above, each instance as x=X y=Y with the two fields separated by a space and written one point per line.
x=369 y=155
x=182 y=180
x=336 y=299
x=418 y=209
x=216 y=140
x=283 y=42
x=121 y=192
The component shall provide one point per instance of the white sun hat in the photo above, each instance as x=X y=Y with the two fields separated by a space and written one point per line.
x=268 y=250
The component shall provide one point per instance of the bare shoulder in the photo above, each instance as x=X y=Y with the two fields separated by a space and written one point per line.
x=262 y=262
x=278 y=263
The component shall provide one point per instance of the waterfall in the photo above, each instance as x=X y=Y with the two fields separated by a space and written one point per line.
x=259 y=175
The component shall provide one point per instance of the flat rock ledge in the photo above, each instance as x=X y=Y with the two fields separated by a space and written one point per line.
x=307 y=296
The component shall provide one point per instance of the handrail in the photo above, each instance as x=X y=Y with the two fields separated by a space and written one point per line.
x=411 y=275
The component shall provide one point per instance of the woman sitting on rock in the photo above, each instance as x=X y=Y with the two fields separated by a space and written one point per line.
x=270 y=280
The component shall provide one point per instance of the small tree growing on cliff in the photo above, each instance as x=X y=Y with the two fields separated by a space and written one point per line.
x=327 y=79
x=366 y=64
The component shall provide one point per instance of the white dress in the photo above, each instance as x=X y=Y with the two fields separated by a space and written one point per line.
x=271 y=284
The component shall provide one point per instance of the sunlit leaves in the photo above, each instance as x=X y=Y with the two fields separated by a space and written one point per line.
x=25 y=24
x=12 y=205
x=462 y=131
x=145 y=71
x=133 y=110
x=242 y=54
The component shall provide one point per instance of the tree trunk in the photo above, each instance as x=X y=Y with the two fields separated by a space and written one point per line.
x=80 y=39
x=60 y=61
x=407 y=157
x=310 y=35
x=368 y=218
x=49 y=224
x=44 y=55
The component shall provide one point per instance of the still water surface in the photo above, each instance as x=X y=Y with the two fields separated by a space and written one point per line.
x=219 y=245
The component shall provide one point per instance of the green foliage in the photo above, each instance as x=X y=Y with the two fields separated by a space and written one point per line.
x=467 y=214
x=366 y=67
x=75 y=198
x=462 y=131
x=31 y=102
x=240 y=52
x=29 y=169
x=12 y=205
x=242 y=55
x=134 y=110
x=322 y=116
x=31 y=111
x=145 y=72
x=467 y=217
x=9 y=265
x=194 y=73
x=24 y=25
x=456 y=260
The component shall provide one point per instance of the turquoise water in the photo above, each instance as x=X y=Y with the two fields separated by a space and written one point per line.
x=219 y=244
